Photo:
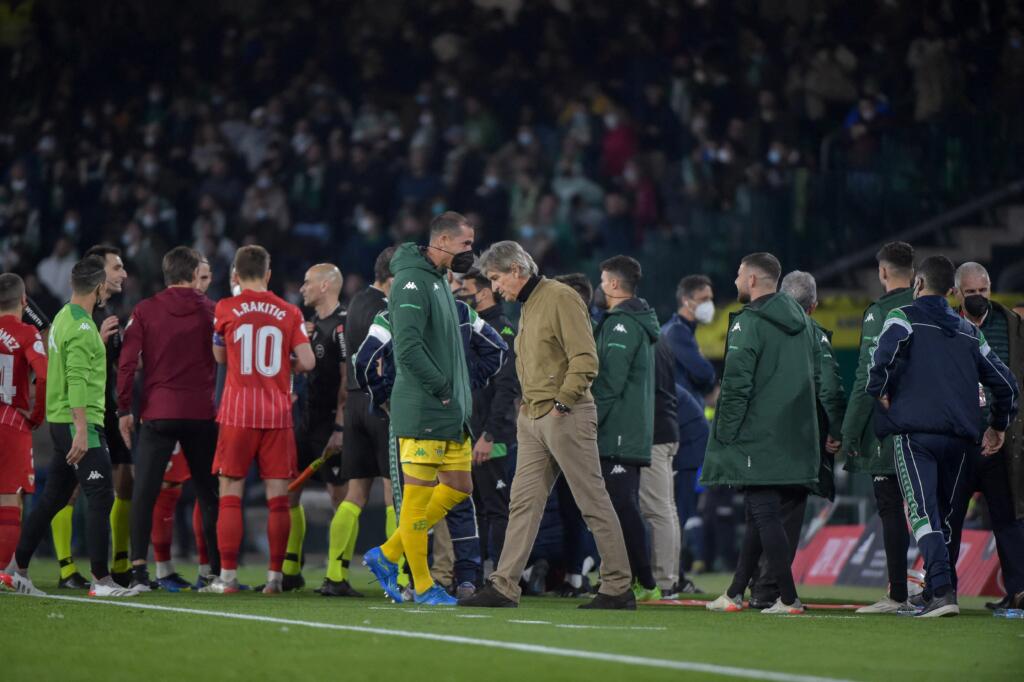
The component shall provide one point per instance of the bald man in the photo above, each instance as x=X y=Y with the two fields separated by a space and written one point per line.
x=322 y=423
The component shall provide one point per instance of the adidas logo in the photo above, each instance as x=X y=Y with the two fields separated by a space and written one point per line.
x=411 y=285
x=736 y=328
x=501 y=485
x=619 y=328
x=618 y=469
x=94 y=476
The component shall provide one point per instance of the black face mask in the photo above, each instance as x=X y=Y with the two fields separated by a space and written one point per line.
x=462 y=262
x=976 y=305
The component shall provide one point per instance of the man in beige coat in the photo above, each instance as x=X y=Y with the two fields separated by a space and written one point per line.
x=556 y=360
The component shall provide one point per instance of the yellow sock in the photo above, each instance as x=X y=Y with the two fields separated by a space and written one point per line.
x=296 y=536
x=120 y=530
x=392 y=549
x=390 y=521
x=60 y=526
x=413 y=529
x=350 y=548
x=441 y=502
x=344 y=529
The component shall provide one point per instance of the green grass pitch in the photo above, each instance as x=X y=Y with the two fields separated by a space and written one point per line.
x=302 y=636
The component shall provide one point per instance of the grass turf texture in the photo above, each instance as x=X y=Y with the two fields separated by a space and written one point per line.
x=52 y=639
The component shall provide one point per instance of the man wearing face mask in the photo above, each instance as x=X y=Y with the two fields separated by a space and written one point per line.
x=863 y=451
x=695 y=381
x=430 y=401
x=1000 y=477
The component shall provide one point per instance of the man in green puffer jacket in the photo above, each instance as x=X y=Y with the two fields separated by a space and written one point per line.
x=624 y=394
x=765 y=436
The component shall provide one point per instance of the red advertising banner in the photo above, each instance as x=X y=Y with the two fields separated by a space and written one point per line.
x=821 y=561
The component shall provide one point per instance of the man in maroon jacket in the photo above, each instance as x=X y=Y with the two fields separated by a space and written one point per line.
x=170 y=334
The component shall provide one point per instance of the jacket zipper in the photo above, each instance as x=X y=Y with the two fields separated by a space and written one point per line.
x=748 y=461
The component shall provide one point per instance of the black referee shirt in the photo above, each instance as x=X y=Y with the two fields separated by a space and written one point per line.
x=364 y=307
x=328 y=342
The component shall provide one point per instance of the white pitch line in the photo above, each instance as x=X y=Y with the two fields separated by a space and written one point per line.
x=665 y=664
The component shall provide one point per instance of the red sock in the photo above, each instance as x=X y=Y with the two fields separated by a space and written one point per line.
x=197 y=528
x=229 y=531
x=163 y=522
x=279 y=524
x=10 y=529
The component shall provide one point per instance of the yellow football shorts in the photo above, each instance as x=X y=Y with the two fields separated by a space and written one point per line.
x=434 y=456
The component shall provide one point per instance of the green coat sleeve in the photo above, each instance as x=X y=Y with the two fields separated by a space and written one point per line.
x=78 y=365
x=861 y=405
x=743 y=350
x=577 y=337
x=615 y=356
x=409 y=313
x=831 y=393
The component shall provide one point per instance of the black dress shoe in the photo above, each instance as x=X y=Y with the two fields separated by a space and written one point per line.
x=623 y=602
x=75 y=581
x=488 y=597
x=1003 y=603
x=292 y=582
x=337 y=588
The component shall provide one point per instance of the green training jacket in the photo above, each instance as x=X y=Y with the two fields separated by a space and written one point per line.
x=77 y=374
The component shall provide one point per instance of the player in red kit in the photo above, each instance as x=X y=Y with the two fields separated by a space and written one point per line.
x=21 y=349
x=256 y=333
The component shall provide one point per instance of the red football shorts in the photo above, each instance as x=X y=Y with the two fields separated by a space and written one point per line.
x=273 y=449
x=17 y=471
x=177 y=467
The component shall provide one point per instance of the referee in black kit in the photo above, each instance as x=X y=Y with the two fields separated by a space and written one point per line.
x=365 y=456
x=322 y=420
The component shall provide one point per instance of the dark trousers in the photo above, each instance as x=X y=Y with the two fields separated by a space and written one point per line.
x=991 y=478
x=95 y=475
x=766 y=534
x=622 y=481
x=578 y=543
x=491 y=484
x=895 y=536
x=763 y=586
x=719 y=525
x=934 y=471
x=157 y=437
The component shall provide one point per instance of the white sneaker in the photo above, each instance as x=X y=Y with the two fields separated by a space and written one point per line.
x=108 y=588
x=726 y=604
x=273 y=587
x=219 y=586
x=780 y=609
x=884 y=605
x=16 y=582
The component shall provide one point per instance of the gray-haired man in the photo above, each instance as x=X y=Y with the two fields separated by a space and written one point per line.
x=556 y=360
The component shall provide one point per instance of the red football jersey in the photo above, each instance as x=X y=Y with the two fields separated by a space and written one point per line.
x=21 y=347
x=260 y=331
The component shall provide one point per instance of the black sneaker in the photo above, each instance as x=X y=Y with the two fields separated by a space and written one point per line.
x=75 y=581
x=567 y=590
x=140 y=581
x=686 y=586
x=761 y=601
x=290 y=583
x=336 y=588
x=488 y=597
x=538 y=583
x=938 y=607
x=122 y=579
x=1003 y=603
x=623 y=602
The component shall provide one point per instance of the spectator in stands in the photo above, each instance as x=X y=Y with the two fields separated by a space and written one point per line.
x=55 y=270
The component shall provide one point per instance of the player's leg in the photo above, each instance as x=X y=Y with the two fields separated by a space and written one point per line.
x=750 y=553
x=306 y=451
x=992 y=480
x=156 y=442
x=121 y=511
x=16 y=478
x=162 y=536
x=199 y=439
x=490 y=484
x=61 y=530
x=451 y=500
x=955 y=482
x=656 y=505
x=236 y=448
x=277 y=464
x=464 y=539
x=343 y=532
x=202 y=556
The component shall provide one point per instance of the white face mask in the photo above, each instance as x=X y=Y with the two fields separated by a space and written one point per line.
x=704 y=312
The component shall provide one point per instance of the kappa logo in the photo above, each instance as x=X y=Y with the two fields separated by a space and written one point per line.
x=507 y=331
x=411 y=285
x=335 y=470
x=84 y=327
x=618 y=469
x=824 y=339
x=870 y=317
x=420 y=452
x=94 y=476
x=619 y=328
x=436 y=287
x=500 y=485
x=736 y=328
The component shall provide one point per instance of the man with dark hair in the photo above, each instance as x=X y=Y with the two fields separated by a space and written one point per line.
x=431 y=401
x=765 y=435
x=75 y=400
x=624 y=393
x=926 y=369
x=999 y=476
x=862 y=450
x=21 y=352
x=493 y=422
x=579 y=282
x=365 y=457
x=170 y=334
x=695 y=384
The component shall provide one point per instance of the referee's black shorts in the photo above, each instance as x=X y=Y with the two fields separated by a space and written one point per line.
x=365 y=454
x=311 y=437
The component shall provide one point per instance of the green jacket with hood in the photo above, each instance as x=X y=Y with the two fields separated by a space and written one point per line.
x=624 y=387
x=766 y=422
x=430 y=364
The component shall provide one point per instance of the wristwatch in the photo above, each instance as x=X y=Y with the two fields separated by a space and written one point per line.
x=562 y=408
x=338 y=428
x=487 y=437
